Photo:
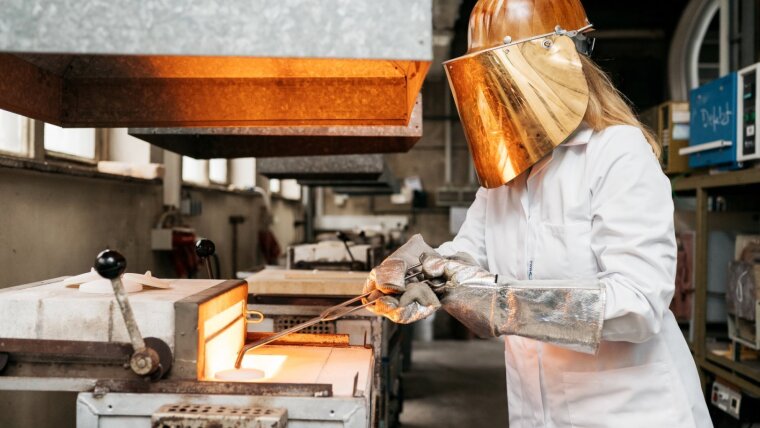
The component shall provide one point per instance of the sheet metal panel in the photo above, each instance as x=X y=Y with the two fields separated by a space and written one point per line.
x=388 y=29
x=356 y=167
x=135 y=410
x=298 y=140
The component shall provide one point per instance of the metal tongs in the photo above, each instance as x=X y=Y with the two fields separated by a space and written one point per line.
x=330 y=314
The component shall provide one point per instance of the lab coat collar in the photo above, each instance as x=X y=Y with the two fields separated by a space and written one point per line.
x=581 y=136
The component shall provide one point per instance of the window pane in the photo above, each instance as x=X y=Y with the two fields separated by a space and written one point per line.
x=78 y=142
x=217 y=171
x=194 y=170
x=274 y=185
x=123 y=147
x=291 y=189
x=12 y=133
x=243 y=174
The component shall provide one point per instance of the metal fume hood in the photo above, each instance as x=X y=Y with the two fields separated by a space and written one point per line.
x=297 y=140
x=389 y=189
x=386 y=184
x=122 y=63
x=344 y=167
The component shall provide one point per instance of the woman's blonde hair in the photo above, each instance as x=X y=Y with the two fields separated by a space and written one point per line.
x=608 y=107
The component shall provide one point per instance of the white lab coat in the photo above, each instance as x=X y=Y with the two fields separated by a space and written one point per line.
x=598 y=206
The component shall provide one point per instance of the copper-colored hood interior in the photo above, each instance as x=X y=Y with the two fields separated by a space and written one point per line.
x=181 y=91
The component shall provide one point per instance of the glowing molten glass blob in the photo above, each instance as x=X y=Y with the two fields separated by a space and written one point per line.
x=253 y=368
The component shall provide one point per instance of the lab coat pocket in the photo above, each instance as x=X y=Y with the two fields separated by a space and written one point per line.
x=630 y=397
x=562 y=251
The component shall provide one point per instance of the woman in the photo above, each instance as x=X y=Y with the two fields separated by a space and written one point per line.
x=568 y=250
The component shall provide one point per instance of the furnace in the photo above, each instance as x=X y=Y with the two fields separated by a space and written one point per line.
x=54 y=337
x=290 y=297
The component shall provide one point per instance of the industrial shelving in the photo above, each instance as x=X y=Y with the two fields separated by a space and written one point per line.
x=743 y=374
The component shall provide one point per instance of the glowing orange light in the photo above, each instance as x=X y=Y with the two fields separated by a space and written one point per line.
x=270 y=364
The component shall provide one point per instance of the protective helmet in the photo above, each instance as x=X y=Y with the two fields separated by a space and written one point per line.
x=520 y=89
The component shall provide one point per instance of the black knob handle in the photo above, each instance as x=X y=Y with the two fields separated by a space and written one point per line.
x=205 y=248
x=110 y=264
x=342 y=236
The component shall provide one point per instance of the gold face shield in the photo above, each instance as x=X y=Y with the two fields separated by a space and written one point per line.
x=517 y=102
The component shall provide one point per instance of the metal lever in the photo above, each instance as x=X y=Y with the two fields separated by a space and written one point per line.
x=330 y=314
x=145 y=360
x=344 y=238
x=205 y=249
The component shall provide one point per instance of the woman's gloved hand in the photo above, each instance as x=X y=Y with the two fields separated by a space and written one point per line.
x=454 y=270
x=400 y=299
x=417 y=302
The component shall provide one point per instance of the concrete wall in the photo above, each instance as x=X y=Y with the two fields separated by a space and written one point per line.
x=287 y=218
x=55 y=224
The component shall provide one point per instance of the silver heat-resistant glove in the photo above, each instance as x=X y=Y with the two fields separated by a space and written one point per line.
x=566 y=313
x=397 y=298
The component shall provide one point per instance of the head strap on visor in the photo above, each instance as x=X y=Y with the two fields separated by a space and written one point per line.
x=584 y=45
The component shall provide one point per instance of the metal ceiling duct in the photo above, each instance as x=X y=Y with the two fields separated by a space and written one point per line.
x=367 y=191
x=386 y=182
x=345 y=167
x=122 y=63
x=283 y=141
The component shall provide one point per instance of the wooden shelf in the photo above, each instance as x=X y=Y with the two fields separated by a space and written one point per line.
x=741 y=382
x=721 y=179
x=743 y=374
x=750 y=370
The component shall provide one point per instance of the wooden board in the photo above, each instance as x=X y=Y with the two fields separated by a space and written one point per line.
x=306 y=283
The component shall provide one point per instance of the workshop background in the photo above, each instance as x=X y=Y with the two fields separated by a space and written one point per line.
x=310 y=200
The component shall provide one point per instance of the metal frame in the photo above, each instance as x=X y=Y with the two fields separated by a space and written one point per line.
x=383 y=337
x=140 y=386
x=302 y=412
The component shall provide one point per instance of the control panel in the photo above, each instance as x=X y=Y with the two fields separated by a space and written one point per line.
x=747 y=114
x=726 y=399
